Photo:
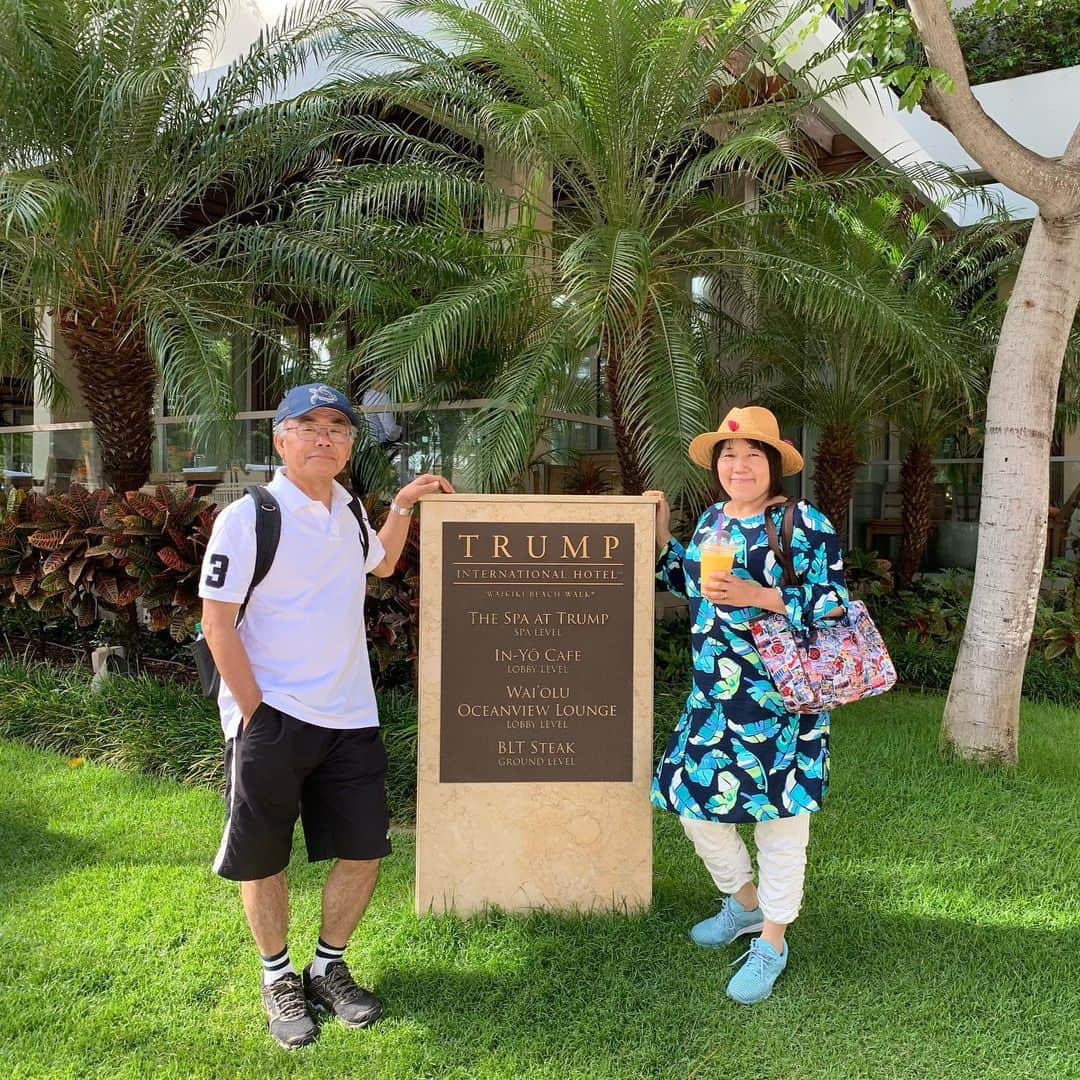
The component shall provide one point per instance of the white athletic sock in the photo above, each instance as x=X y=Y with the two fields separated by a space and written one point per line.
x=276 y=966
x=324 y=956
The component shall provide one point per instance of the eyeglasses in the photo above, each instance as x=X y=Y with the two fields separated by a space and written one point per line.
x=338 y=433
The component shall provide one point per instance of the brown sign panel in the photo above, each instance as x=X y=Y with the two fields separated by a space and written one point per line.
x=537 y=646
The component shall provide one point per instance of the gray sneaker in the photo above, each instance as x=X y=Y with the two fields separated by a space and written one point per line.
x=287 y=1014
x=336 y=992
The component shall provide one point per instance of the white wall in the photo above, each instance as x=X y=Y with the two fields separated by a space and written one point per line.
x=867 y=114
x=1039 y=111
x=245 y=19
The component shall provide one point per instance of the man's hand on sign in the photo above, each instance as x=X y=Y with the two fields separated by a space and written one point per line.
x=424 y=484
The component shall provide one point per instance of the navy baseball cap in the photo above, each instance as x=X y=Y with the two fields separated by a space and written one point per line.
x=302 y=399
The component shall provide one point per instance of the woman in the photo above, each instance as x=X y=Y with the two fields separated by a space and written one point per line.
x=736 y=755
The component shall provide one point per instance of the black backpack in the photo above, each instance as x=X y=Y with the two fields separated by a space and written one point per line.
x=267 y=536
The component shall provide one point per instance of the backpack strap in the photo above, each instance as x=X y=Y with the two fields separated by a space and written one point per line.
x=357 y=508
x=267 y=535
x=782 y=554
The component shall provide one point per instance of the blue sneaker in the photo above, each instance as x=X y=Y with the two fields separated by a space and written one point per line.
x=753 y=982
x=730 y=922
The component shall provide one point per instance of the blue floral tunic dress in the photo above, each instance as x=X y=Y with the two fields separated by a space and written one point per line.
x=736 y=754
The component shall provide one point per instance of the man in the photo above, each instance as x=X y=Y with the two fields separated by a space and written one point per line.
x=298 y=708
x=385 y=430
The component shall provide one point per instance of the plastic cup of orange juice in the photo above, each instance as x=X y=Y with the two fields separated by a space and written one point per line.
x=717 y=555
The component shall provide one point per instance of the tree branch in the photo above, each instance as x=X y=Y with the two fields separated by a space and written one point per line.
x=1054 y=186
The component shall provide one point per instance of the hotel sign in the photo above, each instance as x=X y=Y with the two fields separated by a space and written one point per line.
x=535 y=711
x=537 y=627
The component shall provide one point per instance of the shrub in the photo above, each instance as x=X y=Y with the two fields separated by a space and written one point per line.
x=140 y=724
x=90 y=558
x=921 y=664
x=76 y=571
x=392 y=613
x=160 y=540
x=160 y=727
x=1049 y=680
x=922 y=629
x=673 y=662
x=20 y=561
x=83 y=553
x=930 y=666
x=1003 y=40
x=867 y=574
x=932 y=611
x=586 y=477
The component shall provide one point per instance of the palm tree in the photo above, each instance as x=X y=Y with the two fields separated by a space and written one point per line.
x=925 y=417
x=966 y=269
x=153 y=214
x=832 y=381
x=608 y=129
x=833 y=375
x=443 y=259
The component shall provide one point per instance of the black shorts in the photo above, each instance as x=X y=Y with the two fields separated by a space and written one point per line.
x=279 y=768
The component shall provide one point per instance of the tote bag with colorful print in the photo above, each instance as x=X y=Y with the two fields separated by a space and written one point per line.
x=829 y=665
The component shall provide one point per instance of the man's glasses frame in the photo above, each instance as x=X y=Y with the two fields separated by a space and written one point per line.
x=336 y=433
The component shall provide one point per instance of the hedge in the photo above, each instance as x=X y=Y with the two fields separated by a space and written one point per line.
x=926 y=666
x=1038 y=35
x=161 y=728
x=931 y=666
x=166 y=729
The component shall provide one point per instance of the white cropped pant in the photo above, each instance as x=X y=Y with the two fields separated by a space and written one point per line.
x=781 y=847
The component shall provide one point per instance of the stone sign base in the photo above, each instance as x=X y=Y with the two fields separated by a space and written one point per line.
x=535 y=714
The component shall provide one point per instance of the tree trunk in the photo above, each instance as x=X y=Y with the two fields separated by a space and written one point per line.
x=633 y=480
x=982 y=711
x=1060 y=529
x=449 y=429
x=118 y=380
x=836 y=462
x=916 y=513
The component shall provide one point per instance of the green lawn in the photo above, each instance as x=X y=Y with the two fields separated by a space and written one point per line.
x=939 y=938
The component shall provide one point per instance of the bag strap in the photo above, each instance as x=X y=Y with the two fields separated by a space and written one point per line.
x=782 y=554
x=357 y=508
x=267 y=535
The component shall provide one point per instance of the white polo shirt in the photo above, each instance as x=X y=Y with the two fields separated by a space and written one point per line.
x=304 y=627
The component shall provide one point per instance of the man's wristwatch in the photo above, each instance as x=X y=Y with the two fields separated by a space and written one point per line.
x=397 y=508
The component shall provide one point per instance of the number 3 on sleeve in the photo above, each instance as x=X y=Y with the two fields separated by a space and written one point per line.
x=219 y=567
